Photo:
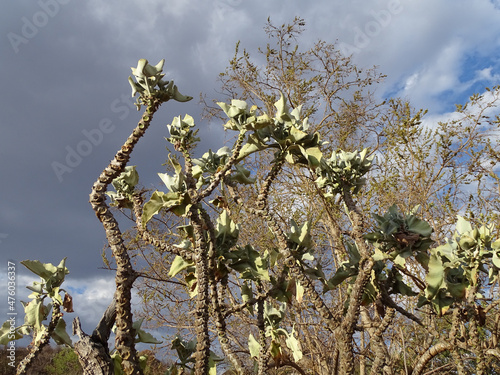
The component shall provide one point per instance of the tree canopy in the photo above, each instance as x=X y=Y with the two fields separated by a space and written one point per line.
x=331 y=234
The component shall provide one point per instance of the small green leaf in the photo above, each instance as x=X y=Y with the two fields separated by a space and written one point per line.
x=178 y=265
x=117 y=363
x=44 y=270
x=294 y=345
x=253 y=346
x=299 y=291
x=463 y=226
x=35 y=313
x=60 y=335
x=435 y=276
x=146 y=337
x=247 y=295
x=496 y=260
x=418 y=226
x=7 y=335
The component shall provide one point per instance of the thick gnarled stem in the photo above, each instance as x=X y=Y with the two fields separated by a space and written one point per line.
x=125 y=274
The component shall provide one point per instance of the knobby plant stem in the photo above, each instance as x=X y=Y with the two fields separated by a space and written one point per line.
x=366 y=263
x=202 y=313
x=27 y=361
x=217 y=296
x=125 y=274
x=263 y=211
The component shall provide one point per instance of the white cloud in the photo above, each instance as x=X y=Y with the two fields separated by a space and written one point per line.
x=91 y=297
x=428 y=45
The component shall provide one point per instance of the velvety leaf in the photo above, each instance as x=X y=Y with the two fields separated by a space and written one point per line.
x=442 y=302
x=60 y=335
x=313 y=155
x=496 y=260
x=401 y=287
x=299 y=291
x=293 y=344
x=281 y=108
x=7 y=335
x=418 y=226
x=212 y=363
x=146 y=337
x=297 y=135
x=463 y=226
x=341 y=274
x=247 y=295
x=161 y=200
x=152 y=207
x=496 y=245
x=178 y=265
x=435 y=276
x=253 y=346
x=117 y=363
x=44 y=270
x=35 y=313
x=379 y=255
x=184 y=349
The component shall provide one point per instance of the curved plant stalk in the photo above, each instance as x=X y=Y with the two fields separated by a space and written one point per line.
x=380 y=348
x=430 y=353
x=148 y=237
x=201 y=312
x=217 y=298
x=263 y=353
x=455 y=354
x=366 y=263
x=263 y=211
x=27 y=361
x=125 y=274
x=473 y=329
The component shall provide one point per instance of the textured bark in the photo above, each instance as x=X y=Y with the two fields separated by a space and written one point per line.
x=346 y=331
x=93 y=351
x=382 y=357
x=217 y=298
x=125 y=275
x=429 y=354
x=202 y=298
x=92 y=354
x=263 y=355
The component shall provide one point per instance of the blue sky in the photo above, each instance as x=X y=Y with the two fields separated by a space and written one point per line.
x=65 y=66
